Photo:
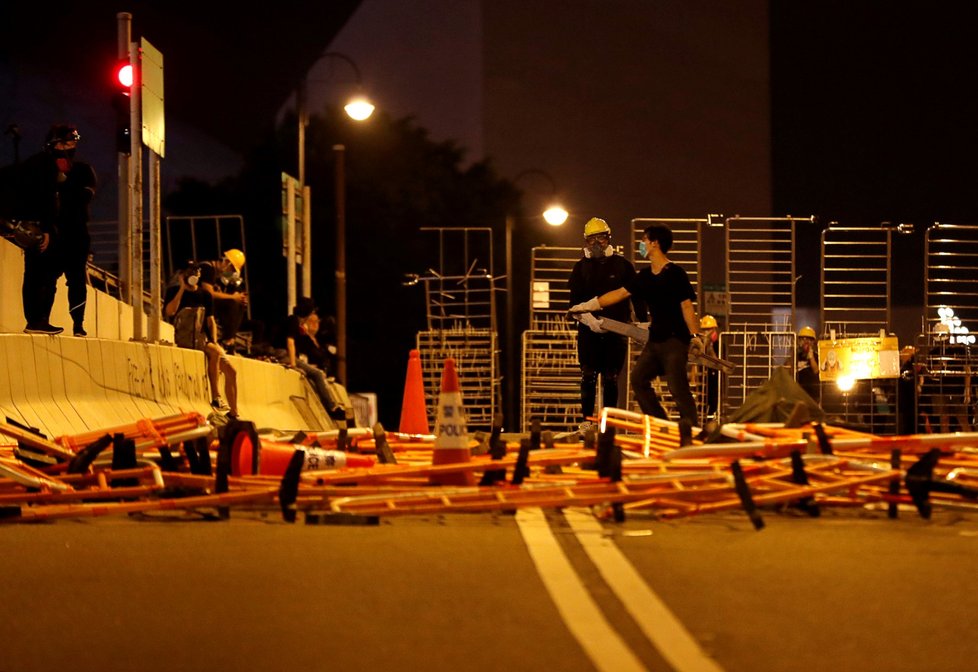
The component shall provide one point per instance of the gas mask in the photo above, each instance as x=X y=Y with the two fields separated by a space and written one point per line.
x=595 y=251
x=231 y=278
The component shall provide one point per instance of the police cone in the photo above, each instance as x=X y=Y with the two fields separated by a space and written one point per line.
x=273 y=457
x=414 y=413
x=451 y=433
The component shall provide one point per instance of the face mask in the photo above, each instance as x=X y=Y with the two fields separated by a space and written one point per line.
x=594 y=251
x=193 y=280
x=643 y=250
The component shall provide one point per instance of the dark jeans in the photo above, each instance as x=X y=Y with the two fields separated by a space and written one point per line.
x=317 y=377
x=74 y=262
x=602 y=354
x=41 y=273
x=229 y=313
x=668 y=359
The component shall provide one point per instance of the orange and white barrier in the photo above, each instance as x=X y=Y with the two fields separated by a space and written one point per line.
x=273 y=458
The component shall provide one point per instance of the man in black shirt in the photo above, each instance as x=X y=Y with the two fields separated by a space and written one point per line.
x=598 y=351
x=54 y=190
x=222 y=280
x=666 y=290
x=189 y=294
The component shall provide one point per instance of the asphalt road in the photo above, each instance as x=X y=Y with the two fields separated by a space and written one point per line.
x=850 y=590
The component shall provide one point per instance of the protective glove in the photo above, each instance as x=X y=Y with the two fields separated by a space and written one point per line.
x=696 y=346
x=588 y=306
x=593 y=323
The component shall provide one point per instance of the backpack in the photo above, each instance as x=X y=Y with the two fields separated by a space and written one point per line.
x=188 y=328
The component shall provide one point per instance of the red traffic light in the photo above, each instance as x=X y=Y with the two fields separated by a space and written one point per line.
x=123 y=74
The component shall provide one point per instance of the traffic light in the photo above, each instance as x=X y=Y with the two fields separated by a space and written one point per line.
x=121 y=101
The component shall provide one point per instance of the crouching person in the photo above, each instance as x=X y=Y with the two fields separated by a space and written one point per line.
x=191 y=309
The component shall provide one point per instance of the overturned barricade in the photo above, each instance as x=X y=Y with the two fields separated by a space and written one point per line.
x=633 y=466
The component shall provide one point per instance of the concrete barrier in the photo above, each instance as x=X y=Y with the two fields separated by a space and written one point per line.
x=73 y=385
x=66 y=385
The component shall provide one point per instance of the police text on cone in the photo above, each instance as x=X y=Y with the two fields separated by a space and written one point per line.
x=451 y=433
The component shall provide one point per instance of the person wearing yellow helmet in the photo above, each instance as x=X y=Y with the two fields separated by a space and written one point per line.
x=806 y=363
x=710 y=333
x=666 y=290
x=223 y=281
x=598 y=352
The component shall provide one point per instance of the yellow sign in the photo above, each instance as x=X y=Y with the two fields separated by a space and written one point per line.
x=859 y=358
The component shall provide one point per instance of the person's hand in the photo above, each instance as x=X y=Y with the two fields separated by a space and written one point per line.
x=241 y=298
x=696 y=346
x=593 y=323
x=588 y=306
x=45 y=241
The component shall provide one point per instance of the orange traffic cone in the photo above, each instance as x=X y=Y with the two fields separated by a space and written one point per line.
x=414 y=413
x=273 y=458
x=451 y=433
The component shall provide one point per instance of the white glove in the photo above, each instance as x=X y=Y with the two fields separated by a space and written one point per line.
x=696 y=346
x=588 y=306
x=593 y=323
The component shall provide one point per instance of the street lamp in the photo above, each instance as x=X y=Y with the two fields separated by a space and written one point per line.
x=554 y=215
x=359 y=108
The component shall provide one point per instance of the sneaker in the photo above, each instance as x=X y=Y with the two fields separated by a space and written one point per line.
x=218 y=404
x=48 y=329
x=80 y=332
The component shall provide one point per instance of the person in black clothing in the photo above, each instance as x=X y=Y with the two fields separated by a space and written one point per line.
x=222 y=280
x=54 y=190
x=806 y=363
x=189 y=294
x=666 y=290
x=306 y=354
x=599 y=352
x=710 y=334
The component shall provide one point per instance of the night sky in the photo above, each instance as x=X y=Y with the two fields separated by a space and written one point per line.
x=874 y=119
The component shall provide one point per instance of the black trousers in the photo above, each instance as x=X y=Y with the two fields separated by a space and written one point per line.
x=41 y=273
x=599 y=354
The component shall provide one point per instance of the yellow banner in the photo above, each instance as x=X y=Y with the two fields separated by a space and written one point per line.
x=859 y=358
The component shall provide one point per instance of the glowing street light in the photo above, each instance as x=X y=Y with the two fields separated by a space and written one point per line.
x=555 y=215
x=359 y=108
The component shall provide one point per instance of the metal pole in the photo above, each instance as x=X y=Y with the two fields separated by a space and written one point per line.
x=306 y=241
x=339 y=152
x=511 y=406
x=301 y=117
x=136 y=206
x=155 y=240
x=290 y=244
x=124 y=246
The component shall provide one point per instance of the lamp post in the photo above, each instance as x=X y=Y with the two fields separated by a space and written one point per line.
x=359 y=108
x=554 y=215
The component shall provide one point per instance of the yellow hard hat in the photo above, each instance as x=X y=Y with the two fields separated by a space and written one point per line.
x=596 y=225
x=236 y=257
x=708 y=322
x=806 y=332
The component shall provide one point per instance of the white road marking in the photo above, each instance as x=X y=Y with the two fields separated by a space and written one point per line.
x=663 y=629
x=581 y=614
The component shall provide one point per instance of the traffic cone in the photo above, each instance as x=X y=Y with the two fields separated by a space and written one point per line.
x=414 y=413
x=451 y=433
x=273 y=458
